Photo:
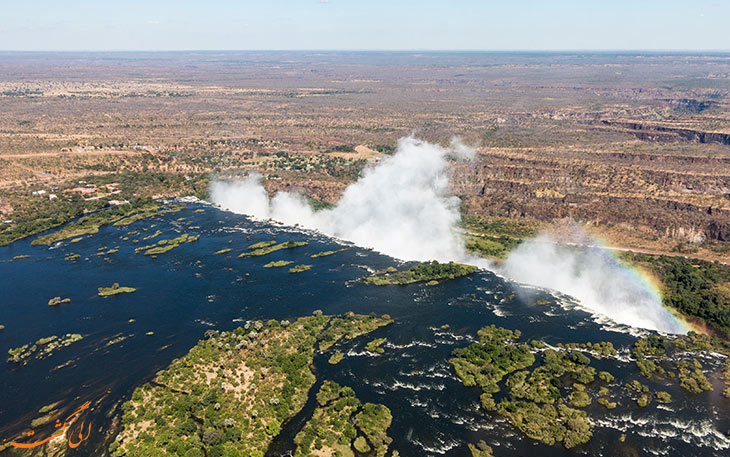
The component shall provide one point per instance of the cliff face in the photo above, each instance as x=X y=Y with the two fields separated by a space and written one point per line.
x=658 y=133
x=677 y=200
x=718 y=230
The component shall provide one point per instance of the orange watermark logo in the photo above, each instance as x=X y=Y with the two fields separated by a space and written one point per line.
x=63 y=427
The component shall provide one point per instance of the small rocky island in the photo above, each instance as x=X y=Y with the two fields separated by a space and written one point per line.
x=114 y=290
x=42 y=348
x=267 y=247
x=55 y=301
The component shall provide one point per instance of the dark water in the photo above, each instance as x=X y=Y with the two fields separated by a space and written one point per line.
x=179 y=299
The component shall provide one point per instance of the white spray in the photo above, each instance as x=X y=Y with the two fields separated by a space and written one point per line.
x=402 y=207
x=593 y=276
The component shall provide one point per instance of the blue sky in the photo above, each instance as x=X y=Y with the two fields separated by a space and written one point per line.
x=370 y=25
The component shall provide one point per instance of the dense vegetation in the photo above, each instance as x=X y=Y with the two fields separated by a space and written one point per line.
x=485 y=364
x=351 y=326
x=547 y=423
x=423 y=272
x=230 y=395
x=261 y=244
x=41 y=214
x=493 y=247
x=535 y=399
x=340 y=423
x=90 y=224
x=510 y=228
x=696 y=288
x=657 y=357
x=35 y=214
x=545 y=401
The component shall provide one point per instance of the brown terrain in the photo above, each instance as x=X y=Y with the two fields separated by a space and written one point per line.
x=635 y=146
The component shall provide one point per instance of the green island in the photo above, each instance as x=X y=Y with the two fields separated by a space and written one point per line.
x=691 y=377
x=663 y=397
x=116 y=339
x=481 y=449
x=376 y=346
x=154 y=235
x=300 y=268
x=341 y=422
x=223 y=251
x=261 y=245
x=168 y=245
x=336 y=358
x=423 y=272
x=42 y=348
x=114 y=290
x=55 y=301
x=325 y=253
x=656 y=357
x=278 y=264
x=267 y=247
x=542 y=401
x=640 y=393
x=47 y=415
x=118 y=215
x=545 y=401
x=231 y=394
x=603 y=397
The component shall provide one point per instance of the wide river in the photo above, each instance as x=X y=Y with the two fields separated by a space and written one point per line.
x=191 y=289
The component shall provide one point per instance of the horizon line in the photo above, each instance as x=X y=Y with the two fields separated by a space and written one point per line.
x=566 y=50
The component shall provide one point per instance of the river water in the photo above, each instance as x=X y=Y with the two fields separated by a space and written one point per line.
x=190 y=289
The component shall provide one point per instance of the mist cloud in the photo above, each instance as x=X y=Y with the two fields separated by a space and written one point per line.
x=594 y=277
x=402 y=207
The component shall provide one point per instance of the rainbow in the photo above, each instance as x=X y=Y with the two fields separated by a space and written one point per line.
x=649 y=284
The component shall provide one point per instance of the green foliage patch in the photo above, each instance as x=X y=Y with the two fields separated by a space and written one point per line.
x=423 y=272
